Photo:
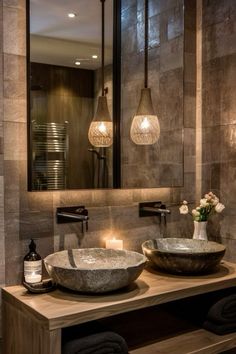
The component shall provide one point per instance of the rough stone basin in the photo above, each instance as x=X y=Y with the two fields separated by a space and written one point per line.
x=94 y=270
x=186 y=256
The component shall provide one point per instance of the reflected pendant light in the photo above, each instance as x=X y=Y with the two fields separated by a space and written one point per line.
x=145 y=127
x=101 y=128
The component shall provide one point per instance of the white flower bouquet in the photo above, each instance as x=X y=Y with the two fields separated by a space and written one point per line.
x=208 y=205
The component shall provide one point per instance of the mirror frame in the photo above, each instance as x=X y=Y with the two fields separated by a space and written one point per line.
x=116 y=98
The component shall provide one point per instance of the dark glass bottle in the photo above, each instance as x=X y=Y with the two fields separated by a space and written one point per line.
x=32 y=265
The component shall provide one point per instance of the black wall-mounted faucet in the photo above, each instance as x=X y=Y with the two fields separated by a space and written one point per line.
x=73 y=214
x=153 y=209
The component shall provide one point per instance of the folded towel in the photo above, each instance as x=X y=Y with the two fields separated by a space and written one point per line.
x=219 y=329
x=100 y=343
x=223 y=311
x=83 y=330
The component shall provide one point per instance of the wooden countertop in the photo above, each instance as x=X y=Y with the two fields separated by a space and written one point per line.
x=60 y=309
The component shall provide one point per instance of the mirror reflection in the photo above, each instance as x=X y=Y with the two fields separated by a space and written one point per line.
x=70 y=146
x=65 y=83
x=151 y=159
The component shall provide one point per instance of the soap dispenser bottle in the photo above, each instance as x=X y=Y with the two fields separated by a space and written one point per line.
x=32 y=265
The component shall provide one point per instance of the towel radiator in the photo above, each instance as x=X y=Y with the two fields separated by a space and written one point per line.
x=50 y=152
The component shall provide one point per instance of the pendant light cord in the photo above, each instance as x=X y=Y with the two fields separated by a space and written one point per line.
x=145 y=43
x=103 y=41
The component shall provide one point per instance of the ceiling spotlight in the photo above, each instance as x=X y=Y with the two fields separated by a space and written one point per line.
x=94 y=56
x=72 y=15
x=77 y=62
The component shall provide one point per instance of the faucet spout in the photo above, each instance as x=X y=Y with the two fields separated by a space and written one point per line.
x=153 y=209
x=73 y=214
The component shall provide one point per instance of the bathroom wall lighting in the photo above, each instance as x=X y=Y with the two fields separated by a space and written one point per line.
x=145 y=127
x=100 y=132
x=71 y=14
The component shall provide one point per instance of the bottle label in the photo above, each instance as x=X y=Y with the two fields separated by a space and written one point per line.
x=33 y=271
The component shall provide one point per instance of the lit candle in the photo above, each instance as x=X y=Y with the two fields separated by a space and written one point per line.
x=114 y=244
x=33 y=278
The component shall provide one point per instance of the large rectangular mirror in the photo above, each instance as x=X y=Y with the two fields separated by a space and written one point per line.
x=64 y=86
x=64 y=82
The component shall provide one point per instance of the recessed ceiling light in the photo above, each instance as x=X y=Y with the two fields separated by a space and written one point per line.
x=94 y=56
x=72 y=14
x=77 y=62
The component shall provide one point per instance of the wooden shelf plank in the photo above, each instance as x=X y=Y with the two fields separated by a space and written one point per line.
x=40 y=318
x=60 y=309
x=196 y=342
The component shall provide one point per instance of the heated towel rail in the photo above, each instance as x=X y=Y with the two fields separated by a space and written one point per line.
x=50 y=151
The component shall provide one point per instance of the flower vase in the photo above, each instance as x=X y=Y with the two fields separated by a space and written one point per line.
x=200 y=230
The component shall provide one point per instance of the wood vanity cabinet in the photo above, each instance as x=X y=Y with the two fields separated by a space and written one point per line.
x=33 y=324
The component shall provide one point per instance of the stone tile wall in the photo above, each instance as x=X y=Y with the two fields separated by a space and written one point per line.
x=25 y=215
x=219 y=113
x=2 y=234
x=160 y=164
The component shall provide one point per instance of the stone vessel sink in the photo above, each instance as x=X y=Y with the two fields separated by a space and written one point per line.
x=94 y=270
x=183 y=256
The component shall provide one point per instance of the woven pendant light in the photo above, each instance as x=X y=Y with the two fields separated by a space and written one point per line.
x=100 y=132
x=145 y=127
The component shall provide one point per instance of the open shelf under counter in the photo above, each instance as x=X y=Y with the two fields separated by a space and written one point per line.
x=33 y=323
x=198 y=341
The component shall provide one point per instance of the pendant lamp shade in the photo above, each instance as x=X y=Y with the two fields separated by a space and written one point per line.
x=100 y=132
x=145 y=127
x=101 y=128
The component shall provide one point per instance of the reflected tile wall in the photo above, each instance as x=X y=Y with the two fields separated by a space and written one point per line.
x=112 y=212
x=151 y=165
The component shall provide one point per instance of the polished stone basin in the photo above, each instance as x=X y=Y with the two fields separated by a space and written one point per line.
x=186 y=256
x=94 y=270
